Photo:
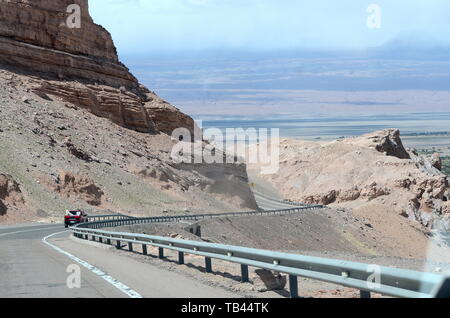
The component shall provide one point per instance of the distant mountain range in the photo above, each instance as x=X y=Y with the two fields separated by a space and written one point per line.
x=413 y=45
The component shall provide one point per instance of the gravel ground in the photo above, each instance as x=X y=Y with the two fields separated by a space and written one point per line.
x=323 y=231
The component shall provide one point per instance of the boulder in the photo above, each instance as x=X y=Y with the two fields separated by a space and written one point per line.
x=266 y=280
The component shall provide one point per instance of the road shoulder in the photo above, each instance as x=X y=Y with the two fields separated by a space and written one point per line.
x=148 y=280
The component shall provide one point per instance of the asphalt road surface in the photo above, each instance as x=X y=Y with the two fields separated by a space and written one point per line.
x=267 y=204
x=31 y=266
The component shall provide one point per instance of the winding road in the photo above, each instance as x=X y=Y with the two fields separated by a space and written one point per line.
x=36 y=260
x=33 y=267
x=30 y=268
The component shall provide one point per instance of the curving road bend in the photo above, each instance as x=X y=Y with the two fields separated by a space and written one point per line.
x=268 y=204
x=34 y=262
x=30 y=267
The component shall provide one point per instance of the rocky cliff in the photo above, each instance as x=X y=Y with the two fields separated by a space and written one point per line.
x=79 y=64
x=77 y=130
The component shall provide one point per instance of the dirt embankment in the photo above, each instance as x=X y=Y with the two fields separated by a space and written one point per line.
x=323 y=232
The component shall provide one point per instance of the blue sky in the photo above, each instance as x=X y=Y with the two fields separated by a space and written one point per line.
x=179 y=25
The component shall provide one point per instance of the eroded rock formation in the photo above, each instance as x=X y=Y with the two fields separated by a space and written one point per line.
x=386 y=141
x=78 y=187
x=79 y=65
x=10 y=193
x=374 y=169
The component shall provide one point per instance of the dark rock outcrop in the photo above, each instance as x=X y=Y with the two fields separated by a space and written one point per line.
x=386 y=141
x=10 y=193
x=78 y=187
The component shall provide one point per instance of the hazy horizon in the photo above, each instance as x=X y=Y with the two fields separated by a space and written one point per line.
x=261 y=84
x=263 y=58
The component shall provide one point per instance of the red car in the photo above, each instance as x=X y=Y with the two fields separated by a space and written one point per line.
x=74 y=217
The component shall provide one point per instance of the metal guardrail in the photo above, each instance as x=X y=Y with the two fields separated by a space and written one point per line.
x=113 y=220
x=107 y=217
x=391 y=281
x=119 y=220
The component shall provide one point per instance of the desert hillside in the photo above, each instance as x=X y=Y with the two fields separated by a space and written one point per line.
x=373 y=174
x=384 y=202
x=77 y=129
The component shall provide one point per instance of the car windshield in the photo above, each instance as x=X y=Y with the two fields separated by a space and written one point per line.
x=224 y=148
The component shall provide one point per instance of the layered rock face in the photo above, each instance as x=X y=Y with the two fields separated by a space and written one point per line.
x=35 y=35
x=79 y=64
x=44 y=23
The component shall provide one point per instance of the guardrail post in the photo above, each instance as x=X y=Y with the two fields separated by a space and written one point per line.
x=100 y=239
x=118 y=246
x=108 y=241
x=364 y=294
x=86 y=237
x=93 y=238
x=130 y=246
x=443 y=288
x=244 y=273
x=208 y=265
x=293 y=286
x=160 y=252
x=180 y=258
x=144 y=249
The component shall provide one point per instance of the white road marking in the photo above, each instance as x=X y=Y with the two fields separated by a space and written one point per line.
x=37 y=230
x=5 y=227
x=122 y=287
